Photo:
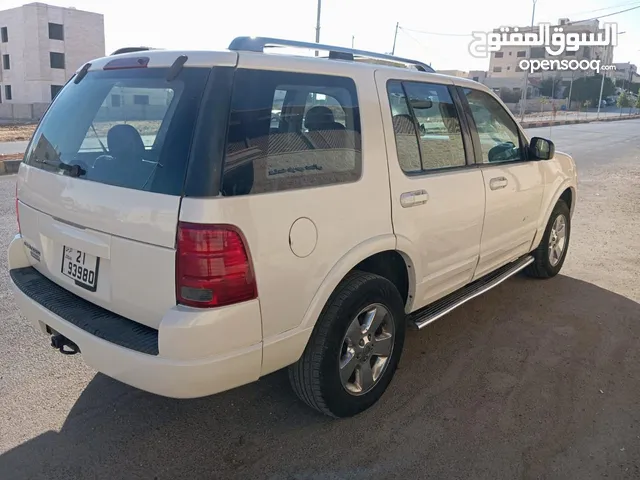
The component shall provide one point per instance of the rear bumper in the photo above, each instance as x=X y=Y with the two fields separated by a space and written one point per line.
x=195 y=357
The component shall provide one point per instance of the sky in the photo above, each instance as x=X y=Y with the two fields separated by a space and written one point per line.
x=212 y=24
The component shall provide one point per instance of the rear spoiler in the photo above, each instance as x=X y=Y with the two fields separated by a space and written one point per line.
x=131 y=49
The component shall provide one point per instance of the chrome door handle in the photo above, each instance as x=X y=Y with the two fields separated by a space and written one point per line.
x=411 y=199
x=498 y=183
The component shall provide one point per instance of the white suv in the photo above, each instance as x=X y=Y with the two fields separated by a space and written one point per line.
x=193 y=221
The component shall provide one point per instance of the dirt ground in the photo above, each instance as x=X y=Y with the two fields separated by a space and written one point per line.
x=16 y=133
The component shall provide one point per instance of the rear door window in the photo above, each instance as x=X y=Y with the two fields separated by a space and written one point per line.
x=290 y=131
x=128 y=128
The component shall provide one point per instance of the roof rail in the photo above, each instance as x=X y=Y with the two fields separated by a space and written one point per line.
x=258 y=44
x=130 y=49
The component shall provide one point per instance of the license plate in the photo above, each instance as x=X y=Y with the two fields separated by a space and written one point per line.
x=81 y=267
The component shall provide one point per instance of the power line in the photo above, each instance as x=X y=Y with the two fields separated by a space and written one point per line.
x=604 y=16
x=412 y=37
x=604 y=8
x=437 y=33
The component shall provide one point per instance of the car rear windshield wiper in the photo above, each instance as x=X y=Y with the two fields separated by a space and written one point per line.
x=72 y=170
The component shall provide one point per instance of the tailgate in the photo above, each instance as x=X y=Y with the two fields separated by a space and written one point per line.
x=100 y=189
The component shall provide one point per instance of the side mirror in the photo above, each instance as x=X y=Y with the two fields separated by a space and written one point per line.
x=541 y=148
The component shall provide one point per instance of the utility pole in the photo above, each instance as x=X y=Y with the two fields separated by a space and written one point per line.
x=318 y=24
x=604 y=74
x=523 y=100
x=395 y=37
x=570 y=89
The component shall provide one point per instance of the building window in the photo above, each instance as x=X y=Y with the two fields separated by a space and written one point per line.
x=141 y=99
x=510 y=53
x=537 y=52
x=55 y=90
x=116 y=100
x=499 y=54
x=521 y=54
x=497 y=69
x=508 y=68
x=56 y=59
x=7 y=92
x=475 y=79
x=4 y=33
x=6 y=62
x=56 y=31
x=518 y=69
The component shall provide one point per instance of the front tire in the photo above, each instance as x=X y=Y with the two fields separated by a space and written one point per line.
x=552 y=251
x=354 y=349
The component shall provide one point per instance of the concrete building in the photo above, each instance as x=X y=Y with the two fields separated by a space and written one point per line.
x=454 y=73
x=477 y=75
x=624 y=73
x=505 y=62
x=41 y=47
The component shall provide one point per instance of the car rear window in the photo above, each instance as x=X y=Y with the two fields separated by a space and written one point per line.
x=129 y=128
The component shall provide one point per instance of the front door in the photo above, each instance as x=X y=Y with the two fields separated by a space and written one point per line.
x=514 y=185
x=437 y=193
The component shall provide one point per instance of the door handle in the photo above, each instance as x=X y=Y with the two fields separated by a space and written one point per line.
x=411 y=199
x=498 y=183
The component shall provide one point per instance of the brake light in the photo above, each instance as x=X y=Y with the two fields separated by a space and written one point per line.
x=213 y=266
x=17 y=210
x=126 y=63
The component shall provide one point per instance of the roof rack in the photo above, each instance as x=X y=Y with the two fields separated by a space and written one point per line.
x=258 y=44
x=130 y=49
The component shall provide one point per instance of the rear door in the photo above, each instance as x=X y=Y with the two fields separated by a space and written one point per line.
x=437 y=193
x=100 y=189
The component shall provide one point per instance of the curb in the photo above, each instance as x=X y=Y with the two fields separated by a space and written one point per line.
x=553 y=123
x=8 y=167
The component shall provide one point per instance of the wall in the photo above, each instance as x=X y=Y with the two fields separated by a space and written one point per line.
x=22 y=112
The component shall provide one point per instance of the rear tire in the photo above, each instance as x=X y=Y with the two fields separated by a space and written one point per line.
x=354 y=349
x=552 y=251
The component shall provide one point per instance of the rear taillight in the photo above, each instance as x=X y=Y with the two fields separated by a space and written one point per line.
x=213 y=266
x=17 y=210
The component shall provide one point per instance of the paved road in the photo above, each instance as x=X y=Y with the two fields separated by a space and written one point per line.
x=536 y=379
x=7 y=148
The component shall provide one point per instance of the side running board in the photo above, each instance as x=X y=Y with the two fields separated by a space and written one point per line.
x=439 y=308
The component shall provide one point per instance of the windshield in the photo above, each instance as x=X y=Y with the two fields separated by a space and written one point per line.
x=129 y=128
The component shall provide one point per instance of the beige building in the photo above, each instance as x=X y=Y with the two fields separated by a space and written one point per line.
x=42 y=46
x=454 y=73
x=505 y=62
x=477 y=75
x=625 y=72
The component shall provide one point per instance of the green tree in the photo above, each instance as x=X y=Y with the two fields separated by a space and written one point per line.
x=588 y=89
x=550 y=86
x=623 y=100
x=638 y=102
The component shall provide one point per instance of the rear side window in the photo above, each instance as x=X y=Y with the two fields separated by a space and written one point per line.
x=426 y=126
x=290 y=131
x=143 y=145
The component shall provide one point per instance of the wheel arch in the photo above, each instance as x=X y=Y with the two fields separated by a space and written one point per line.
x=378 y=255
x=287 y=347
x=567 y=192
